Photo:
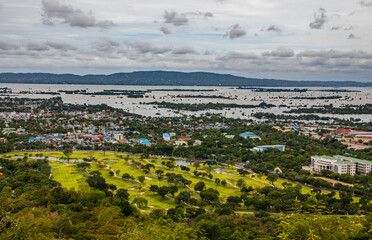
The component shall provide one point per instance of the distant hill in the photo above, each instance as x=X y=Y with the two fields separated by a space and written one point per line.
x=167 y=78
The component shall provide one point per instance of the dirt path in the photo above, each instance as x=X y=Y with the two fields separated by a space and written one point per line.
x=333 y=181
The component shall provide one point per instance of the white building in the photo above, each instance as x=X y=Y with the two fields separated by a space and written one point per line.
x=340 y=164
x=362 y=166
x=265 y=147
x=118 y=136
x=166 y=137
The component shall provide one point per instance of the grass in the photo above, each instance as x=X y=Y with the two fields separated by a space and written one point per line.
x=71 y=177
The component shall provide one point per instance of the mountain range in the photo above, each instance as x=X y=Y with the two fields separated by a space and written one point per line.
x=168 y=78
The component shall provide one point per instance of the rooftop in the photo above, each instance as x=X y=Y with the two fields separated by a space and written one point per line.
x=249 y=134
x=325 y=157
x=352 y=159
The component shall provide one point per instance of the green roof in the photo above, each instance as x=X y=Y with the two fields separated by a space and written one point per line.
x=326 y=157
x=353 y=159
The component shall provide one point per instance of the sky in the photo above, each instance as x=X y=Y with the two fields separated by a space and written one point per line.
x=280 y=39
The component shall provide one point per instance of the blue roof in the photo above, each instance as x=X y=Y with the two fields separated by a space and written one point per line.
x=248 y=134
x=166 y=135
x=143 y=139
x=145 y=142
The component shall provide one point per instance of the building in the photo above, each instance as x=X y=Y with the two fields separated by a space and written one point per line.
x=340 y=164
x=265 y=147
x=118 y=136
x=166 y=137
x=249 y=135
x=362 y=166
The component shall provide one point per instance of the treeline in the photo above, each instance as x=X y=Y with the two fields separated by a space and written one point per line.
x=262 y=115
x=206 y=106
x=204 y=96
x=280 y=90
x=317 y=98
x=330 y=109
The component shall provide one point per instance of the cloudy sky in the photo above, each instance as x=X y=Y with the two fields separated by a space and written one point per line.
x=282 y=39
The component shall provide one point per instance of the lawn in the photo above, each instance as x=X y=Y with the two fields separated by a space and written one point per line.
x=71 y=177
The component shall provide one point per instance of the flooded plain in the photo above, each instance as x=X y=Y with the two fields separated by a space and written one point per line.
x=283 y=101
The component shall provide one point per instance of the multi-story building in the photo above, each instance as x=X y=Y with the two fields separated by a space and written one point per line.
x=340 y=164
x=362 y=166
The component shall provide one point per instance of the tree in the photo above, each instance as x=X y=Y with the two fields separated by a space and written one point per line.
x=141 y=179
x=217 y=181
x=169 y=164
x=122 y=194
x=234 y=200
x=154 y=188
x=108 y=214
x=199 y=186
x=326 y=173
x=162 y=191
x=97 y=182
x=240 y=183
x=172 y=190
x=67 y=152
x=223 y=182
x=196 y=165
x=83 y=165
x=209 y=195
x=141 y=202
x=160 y=173
x=126 y=176
x=272 y=178
x=184 y=196
x=209 y=229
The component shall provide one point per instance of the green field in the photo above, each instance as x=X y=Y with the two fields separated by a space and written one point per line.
x=70 y=177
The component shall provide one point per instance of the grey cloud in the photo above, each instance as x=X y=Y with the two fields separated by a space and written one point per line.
x=335 y=54
x=165 y=30
x=365 y=3
x=60 y=45
x=148 y=47
x=36 y=46
x=175 y=18
x=351 y=36
x=237 y=56
x=235 y=31
x=320 y=18
x=208 y=14
x=106 y=45
x=184 y=50
x=280 y=52
x=340 y=27
x=56 y=12
x=199 y=14
x=273 y=28
x=4 y=46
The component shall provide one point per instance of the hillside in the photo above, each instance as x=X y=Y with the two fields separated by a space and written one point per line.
x=167 y=78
